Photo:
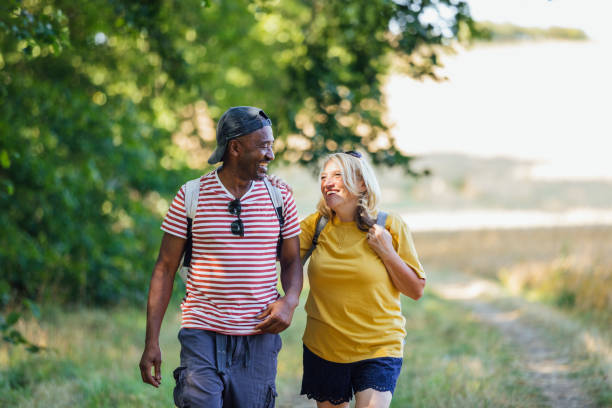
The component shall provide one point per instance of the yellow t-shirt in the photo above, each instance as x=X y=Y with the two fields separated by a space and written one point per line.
x=353 y=309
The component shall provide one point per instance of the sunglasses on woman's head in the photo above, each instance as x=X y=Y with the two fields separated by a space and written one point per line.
x=353 y=153
x=234 y=208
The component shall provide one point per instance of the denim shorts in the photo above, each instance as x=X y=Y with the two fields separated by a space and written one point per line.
x=223 y=371
x=336 y=382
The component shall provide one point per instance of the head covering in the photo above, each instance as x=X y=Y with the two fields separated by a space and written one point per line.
x=235 y=122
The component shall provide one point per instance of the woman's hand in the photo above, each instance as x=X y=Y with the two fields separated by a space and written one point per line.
x=380 y=241
x=402 y=275
x=279 y=182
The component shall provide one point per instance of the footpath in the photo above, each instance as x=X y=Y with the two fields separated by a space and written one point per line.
x=550 y=345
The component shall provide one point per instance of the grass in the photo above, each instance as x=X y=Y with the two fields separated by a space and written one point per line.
x=561 y=280
x=92 y=361
x=568 y=267
x=451 y=360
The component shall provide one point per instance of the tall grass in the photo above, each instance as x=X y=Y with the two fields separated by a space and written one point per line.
x=92 y=361
x=450 y=360
x=453 y=360
x=569 y=267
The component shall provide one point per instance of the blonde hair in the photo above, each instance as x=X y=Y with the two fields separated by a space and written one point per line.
x=354 y=171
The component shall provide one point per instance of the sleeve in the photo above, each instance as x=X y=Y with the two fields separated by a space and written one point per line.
x=308 y=226
x=403 y=243
x=292 y=224
x=175 y=222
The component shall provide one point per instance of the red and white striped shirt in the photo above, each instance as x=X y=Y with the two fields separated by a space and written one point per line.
x=232 y=278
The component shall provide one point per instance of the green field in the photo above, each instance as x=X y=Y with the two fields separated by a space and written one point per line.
x=455 y=356
x=93 y=361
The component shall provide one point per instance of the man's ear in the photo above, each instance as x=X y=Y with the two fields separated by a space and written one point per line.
x=234 y=147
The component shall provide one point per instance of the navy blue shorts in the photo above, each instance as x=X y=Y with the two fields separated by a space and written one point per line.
x=219 y=370
x=336 y=382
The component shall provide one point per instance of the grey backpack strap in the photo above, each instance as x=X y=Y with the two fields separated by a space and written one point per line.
x=277 y=200
x=279 y=207
x=321 y=223
x=381 y=218
x=192 y=195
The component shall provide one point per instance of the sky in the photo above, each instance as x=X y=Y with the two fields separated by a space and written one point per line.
x=548 y=103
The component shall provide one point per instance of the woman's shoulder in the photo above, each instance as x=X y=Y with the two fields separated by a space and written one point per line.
x=312 y=217
x=395 y=222
x=310 y=221
x=392 y=217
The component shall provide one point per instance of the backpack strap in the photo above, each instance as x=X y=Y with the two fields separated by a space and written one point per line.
x=277 y=200
x=192 y=195
x=381 y=218
x=321 y=223
x=279 y=207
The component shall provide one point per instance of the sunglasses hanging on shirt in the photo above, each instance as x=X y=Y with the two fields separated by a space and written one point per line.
x=234 y=208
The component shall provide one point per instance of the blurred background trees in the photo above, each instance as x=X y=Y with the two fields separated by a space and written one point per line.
x=108 y=106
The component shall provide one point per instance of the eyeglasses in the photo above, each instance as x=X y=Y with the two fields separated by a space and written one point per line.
x=353 y=153
x=234 y=208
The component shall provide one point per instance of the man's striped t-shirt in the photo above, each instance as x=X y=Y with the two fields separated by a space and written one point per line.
x=232 y=278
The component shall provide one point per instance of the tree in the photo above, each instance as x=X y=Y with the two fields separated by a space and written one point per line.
x=108 y=106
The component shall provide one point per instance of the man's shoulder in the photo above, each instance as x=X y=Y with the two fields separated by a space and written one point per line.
x=285 y=192
x=261 y=186
x=206 y=177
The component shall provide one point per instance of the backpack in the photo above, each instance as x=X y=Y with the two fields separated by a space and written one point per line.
x=381 y=219
x=192 y=195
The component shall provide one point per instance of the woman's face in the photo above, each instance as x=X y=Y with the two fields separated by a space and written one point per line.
x=337 y=197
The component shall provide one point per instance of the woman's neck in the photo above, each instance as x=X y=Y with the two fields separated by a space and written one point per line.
x=345 y=214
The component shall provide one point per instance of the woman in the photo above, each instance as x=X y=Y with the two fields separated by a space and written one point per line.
x=353 y=341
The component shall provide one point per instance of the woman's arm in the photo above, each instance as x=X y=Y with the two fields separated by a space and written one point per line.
x=402 y=275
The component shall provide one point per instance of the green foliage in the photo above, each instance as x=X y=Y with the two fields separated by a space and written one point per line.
x=108 y=106
x=35 y=26
x=8 y=321
x=509 y=32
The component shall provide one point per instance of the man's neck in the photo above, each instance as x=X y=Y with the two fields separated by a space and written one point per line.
x=232 y=181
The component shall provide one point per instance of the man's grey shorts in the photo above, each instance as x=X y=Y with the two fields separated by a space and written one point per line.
x=222 y=371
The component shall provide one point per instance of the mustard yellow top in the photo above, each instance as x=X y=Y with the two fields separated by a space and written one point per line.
x=353 y=309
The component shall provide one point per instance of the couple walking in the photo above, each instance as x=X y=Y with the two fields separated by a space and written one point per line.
x=232 y=313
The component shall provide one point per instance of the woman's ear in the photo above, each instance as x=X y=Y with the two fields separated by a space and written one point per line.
x=362 y=187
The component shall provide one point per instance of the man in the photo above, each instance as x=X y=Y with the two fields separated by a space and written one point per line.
x=232 y=312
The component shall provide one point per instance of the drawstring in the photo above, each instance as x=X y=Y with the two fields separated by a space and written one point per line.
x=228 y=348
x=221 y=352
x=231 y=350
x=247 y=351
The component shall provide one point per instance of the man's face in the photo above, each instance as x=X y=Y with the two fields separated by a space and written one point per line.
x=256 y=153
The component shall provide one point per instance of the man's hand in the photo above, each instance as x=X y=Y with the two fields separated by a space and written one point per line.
x=160 y=291
x=277 y=316
x=151 y=357
x=279 y=182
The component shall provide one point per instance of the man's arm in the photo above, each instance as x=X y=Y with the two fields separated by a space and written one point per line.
x=160 y=291
x=278 y=315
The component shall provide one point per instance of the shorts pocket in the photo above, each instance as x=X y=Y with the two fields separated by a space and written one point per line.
x=179 y=378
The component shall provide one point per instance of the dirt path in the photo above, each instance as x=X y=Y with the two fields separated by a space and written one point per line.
x=546 y=365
